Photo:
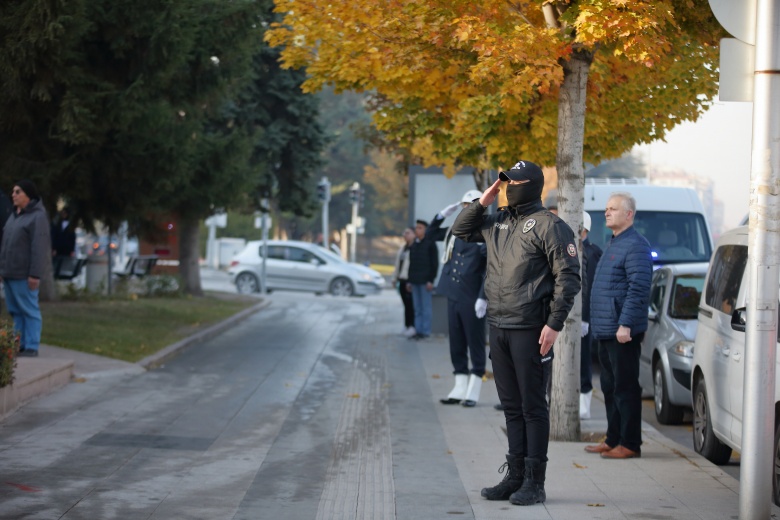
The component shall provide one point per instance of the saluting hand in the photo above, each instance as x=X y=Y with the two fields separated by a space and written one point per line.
x=546 y=339
x=490 y=194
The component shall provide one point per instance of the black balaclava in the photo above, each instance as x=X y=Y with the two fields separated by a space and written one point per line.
x=530 y=191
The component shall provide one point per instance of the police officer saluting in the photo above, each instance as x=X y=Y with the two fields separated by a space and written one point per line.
x=533 y=275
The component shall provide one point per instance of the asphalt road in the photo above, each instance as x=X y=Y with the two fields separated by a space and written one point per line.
x=243 y=426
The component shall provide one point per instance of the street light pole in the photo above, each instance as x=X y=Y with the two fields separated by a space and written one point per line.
x=355 y=194
x=264 y=234
x=758 y=403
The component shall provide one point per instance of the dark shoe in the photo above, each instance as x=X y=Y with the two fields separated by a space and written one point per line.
x=449 y=401
x=500 y=407
x=28 y=352
x=468 y=403
x=532 y=490
x=513 y=480
x=621 y=452
x=598 y=448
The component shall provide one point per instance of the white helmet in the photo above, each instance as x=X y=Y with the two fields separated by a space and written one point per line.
x=471 y=195
x=586 y=221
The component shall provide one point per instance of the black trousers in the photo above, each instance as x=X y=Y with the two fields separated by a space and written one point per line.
x=521 y=381
x=467 y=338
x=586 y=365
x=622 y=392
x=406 y=298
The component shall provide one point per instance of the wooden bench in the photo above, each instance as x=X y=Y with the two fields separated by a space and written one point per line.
x=138 y=266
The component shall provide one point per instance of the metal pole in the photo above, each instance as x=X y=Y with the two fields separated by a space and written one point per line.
x=353 y=242
x=764 y=250
x=325 y=205
x=212 y=243
x=264 y=228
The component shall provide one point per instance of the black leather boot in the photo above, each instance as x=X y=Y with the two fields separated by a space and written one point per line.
x=513 y=479
x=532 y=490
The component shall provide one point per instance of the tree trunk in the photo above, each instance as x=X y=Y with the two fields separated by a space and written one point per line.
x=564 y=409
x=47 y=291
x=189 y=256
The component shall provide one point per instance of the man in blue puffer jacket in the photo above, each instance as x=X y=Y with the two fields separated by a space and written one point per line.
x=618 y=320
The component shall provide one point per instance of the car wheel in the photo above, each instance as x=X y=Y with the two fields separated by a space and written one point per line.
x=665 y=411
x=341 y=287
x=247 y=283
x=776 y=470
x=704 y=440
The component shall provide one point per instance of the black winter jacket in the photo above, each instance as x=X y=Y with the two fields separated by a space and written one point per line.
x=423 y=261
x=533 y=270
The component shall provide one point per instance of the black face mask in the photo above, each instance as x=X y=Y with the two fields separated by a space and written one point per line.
x=519 y=194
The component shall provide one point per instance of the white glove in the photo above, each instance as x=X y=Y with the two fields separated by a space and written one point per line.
x=480 y=307
x=585 y=327
x=449 y=210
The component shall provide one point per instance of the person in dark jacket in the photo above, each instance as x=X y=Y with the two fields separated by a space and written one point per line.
x=462 y=282
x=618 y=320
x=591 y=254
x=63 y=234
x=423 y=267
x=533 y=276
x=25 y=249
x=400 y=276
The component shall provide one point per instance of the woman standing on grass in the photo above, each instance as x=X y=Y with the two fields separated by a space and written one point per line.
x=25 y=248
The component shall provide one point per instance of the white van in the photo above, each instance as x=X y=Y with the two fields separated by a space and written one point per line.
x=718 y=374
x=671 y=218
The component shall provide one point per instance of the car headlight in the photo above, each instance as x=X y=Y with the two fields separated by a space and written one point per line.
x=683 y=349
x=367 y=277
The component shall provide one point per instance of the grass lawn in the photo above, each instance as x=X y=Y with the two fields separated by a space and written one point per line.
x=129 y=329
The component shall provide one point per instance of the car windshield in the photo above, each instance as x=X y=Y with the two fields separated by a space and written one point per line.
x=685 y=296
x=674 y=237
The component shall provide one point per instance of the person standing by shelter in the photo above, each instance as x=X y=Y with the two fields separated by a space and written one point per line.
x=462 y=281
x=401 y=277
x=618 y=321
x=591 y=254
x=423 y=267
x=25 y=249
x=531 y=282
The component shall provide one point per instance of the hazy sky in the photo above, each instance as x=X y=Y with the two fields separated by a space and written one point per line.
x=716 y=147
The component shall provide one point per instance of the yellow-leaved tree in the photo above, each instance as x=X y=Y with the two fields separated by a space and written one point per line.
x=485 y=83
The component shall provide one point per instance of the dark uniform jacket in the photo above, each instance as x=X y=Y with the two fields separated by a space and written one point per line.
x=463 y=272
x=591 y=254
x=621 y=288
x=423 y=261
x=533 y=270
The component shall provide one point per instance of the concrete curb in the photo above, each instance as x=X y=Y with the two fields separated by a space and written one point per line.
x=160 y=356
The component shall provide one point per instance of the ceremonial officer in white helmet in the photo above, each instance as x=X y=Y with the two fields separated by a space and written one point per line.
x=533 y=275
x=462 y=281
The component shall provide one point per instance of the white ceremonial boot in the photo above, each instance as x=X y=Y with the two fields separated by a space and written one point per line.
x=585 y=405
x=472 y=393
x=458 y=392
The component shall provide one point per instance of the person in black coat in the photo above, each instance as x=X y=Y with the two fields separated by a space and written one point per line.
x=63 y=234
x=591 y=254
x=423 y=267
x=462 y=281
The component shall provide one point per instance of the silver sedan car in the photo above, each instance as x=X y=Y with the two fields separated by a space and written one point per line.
x=301 y=266
x=667 y=349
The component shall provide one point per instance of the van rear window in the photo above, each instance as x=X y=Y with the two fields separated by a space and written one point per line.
x=675 y=237
x=726 y=270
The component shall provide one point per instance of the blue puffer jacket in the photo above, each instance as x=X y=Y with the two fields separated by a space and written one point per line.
x=621 y=288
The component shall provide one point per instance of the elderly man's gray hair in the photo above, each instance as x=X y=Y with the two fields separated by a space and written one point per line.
x=629 y=202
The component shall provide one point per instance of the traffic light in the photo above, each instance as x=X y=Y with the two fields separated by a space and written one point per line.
x=354 y=193
x=323 y=191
